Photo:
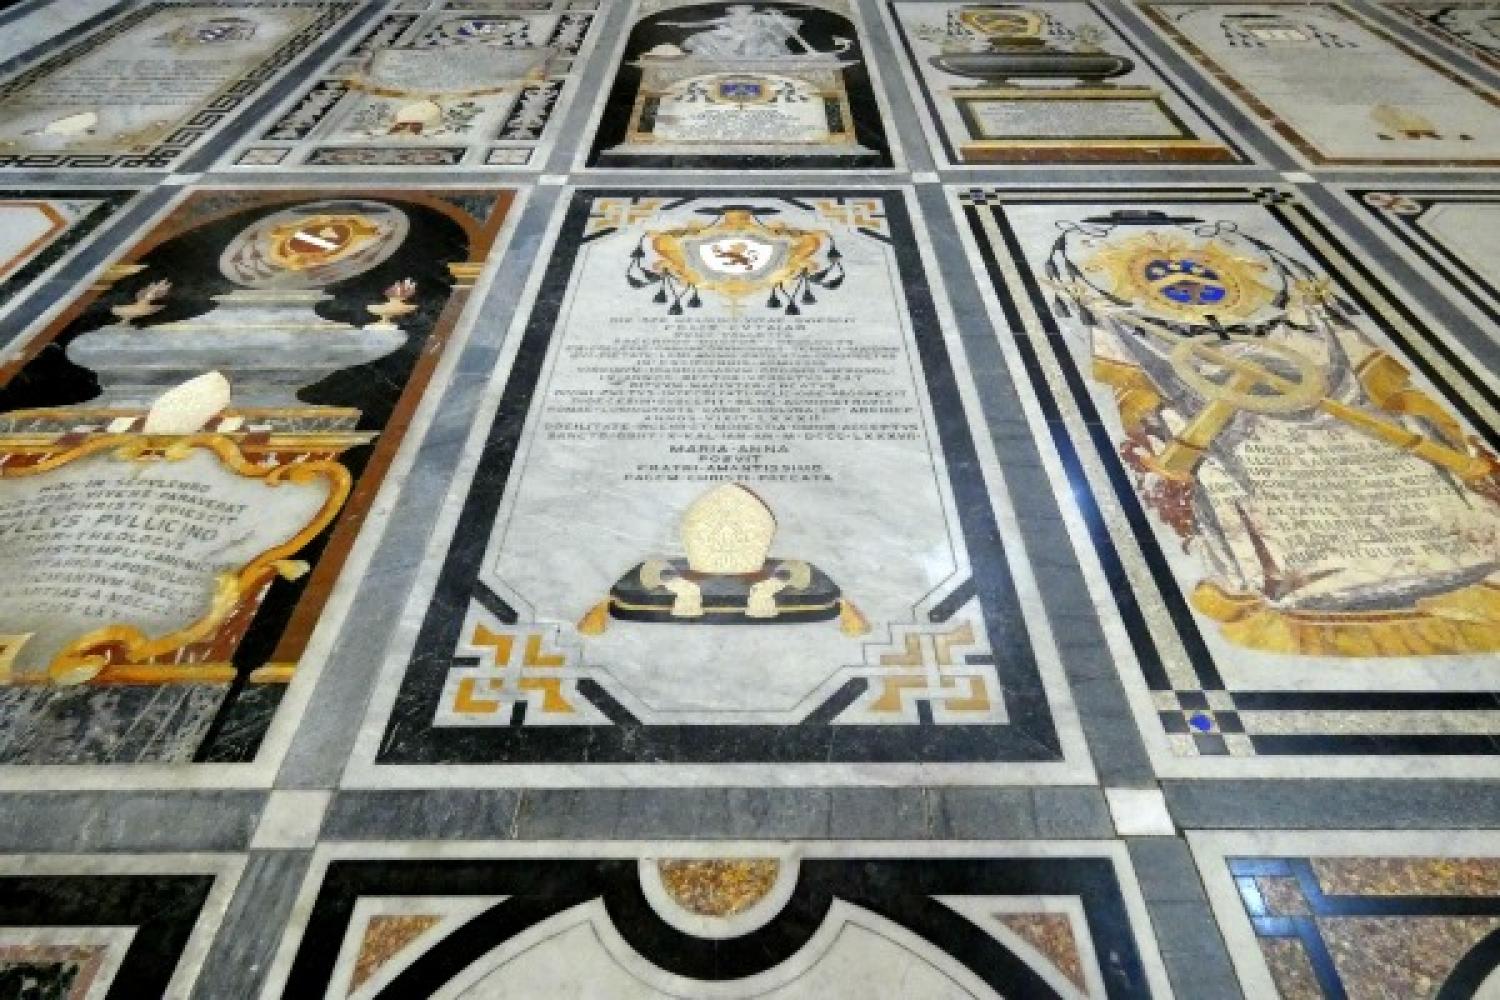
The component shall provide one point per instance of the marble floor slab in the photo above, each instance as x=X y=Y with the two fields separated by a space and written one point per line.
x=881 y=499
x=43 y=228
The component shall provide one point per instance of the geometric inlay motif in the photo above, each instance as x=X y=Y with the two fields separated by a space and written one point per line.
x=718 y=888
x=592 y=919
x=386 y=935
x=1368 y=927
x=1051 y=934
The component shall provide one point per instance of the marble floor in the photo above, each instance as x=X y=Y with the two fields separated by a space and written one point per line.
x=800 y=498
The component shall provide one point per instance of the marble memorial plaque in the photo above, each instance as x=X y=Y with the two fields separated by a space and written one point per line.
x=1335 y=87
x=151 y=83
x=648 y=920
x=729 y=509
x=1454 y=232
x=717 y=86
x=40 y=228
x=1343 y=913
x=187 y=456
x=436 y=84
x=1472 y=27
x=1053 y=83
x=1285 y=476
x=86 y=927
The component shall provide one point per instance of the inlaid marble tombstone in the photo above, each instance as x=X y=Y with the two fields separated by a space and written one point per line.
x=1471 y=26
x=1335 y=87
x=149 y=83
x=742 y=85
x=1287 y=478
x=436 y=84
x=187 y=455
x=1007 y=83
x=728 y=509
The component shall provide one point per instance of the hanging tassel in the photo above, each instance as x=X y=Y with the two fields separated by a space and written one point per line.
x=774 y=302
x=851 y=622
x=596 y=620
x=693 y=300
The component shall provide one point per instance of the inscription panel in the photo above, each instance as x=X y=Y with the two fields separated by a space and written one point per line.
x=436 y=84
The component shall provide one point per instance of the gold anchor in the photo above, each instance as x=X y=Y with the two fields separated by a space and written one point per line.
x=1251 y=386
